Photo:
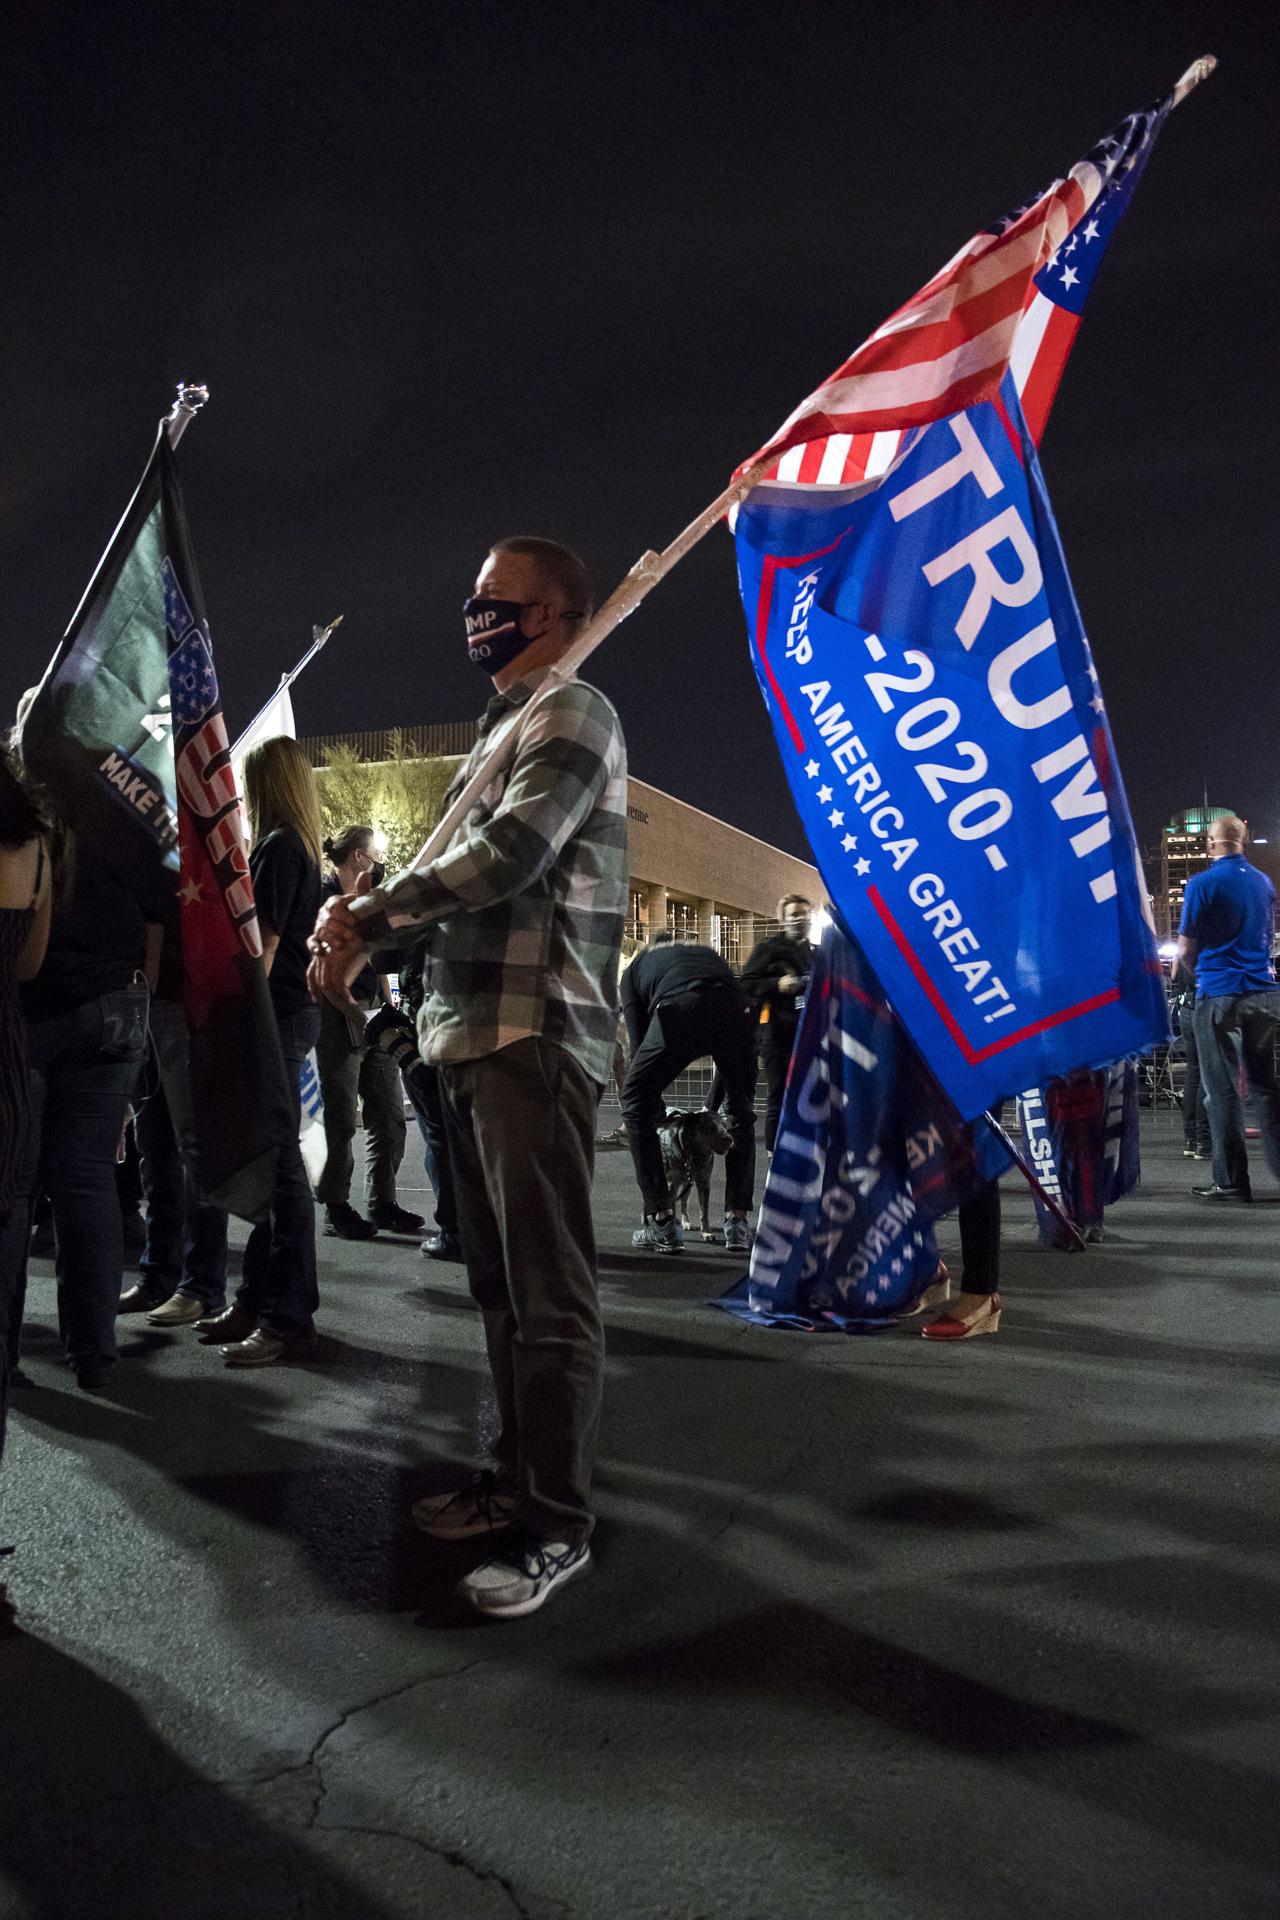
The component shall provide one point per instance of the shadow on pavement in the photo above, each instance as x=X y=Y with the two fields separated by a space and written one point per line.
x=100 y=1816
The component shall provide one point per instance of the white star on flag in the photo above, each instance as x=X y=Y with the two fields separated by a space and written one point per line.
x=190 y=893
x=849 y=842
x=824 y=794
x=836 y=817
x=1069 y=276
x=861 y=867
x=1096 y=703
x=812 y=769
x=1091 y=230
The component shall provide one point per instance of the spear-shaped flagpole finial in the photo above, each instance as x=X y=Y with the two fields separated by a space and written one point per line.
x=184 y=410
x=320 y=634
x=1198 y=70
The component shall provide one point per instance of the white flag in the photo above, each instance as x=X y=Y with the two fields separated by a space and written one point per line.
x=276 y=718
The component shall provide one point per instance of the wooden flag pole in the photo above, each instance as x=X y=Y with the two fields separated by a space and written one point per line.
x=642 y=579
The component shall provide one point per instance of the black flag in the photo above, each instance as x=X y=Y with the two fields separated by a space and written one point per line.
x=126 y=731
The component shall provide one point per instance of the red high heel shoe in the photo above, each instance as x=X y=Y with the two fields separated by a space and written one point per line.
x=966 y=1324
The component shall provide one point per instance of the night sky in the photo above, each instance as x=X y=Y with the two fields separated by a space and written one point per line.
x=456 y=271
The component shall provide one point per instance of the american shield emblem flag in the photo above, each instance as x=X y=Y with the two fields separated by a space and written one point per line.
x=925 y=666
x=127 y=732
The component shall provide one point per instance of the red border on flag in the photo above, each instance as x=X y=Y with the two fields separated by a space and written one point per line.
x=974 y=1056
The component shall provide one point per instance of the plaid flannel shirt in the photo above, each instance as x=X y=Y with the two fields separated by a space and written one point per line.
x=524 y=909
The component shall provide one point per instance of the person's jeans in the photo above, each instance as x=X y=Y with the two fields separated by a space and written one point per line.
x=82 y=1068
x=350 y=1073
x=1235 y=1031
x=714 y=1021
x=522 y=1142
x=279 y=1278
x=423 y=1090
x=186 y=1250
x=1195 y=1113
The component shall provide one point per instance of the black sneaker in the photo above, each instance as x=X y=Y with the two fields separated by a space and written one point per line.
x=342 y=1222
x=394 y=1219
x=1241 y=1195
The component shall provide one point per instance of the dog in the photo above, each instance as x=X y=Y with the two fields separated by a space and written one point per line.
x=690 y=1140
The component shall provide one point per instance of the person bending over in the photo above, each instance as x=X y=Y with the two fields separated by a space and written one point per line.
x=682 y=1003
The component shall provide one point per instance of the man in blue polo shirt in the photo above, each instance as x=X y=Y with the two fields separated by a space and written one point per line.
x=1228 y=917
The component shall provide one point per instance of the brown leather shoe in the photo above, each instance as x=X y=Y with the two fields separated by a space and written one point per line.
x=236 y=1323
x=261 y=1349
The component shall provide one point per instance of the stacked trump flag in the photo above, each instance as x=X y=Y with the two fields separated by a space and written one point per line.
x=926 y=670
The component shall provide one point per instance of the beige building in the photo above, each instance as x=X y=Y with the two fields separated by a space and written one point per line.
x=690 y=871
x=708 y=880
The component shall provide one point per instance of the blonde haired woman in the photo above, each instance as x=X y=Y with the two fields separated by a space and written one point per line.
x=272 y=1315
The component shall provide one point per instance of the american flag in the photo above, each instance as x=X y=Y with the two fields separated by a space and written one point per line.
x=1011 y=299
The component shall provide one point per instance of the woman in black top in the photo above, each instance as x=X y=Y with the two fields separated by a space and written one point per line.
x=277 y=1298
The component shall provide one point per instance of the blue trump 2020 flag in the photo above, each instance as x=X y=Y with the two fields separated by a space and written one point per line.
x=869 y=1154
x=925 y=667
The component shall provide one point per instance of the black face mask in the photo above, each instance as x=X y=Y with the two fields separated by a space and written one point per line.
x=378 y=873
x=494 y=638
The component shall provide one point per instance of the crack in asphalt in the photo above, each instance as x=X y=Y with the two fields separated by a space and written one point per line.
x=448 y=1854
x=312 y=1758
x=313 y=1764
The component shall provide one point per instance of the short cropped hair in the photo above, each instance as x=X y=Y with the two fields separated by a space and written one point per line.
x=1230 y=827
x=559 y=566
x=793 y=900
x=663 y=937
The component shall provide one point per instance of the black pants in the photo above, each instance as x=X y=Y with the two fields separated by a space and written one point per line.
x=683 y=1029
x=522 y=1126
x=979 y=1222
x=422 y=1087
x=777 y=1041
x=279 y=1273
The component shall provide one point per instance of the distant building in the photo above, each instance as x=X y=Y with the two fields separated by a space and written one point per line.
x=689 y=871
x=1182 y=853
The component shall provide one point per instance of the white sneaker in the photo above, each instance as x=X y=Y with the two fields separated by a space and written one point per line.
x=523 y=1578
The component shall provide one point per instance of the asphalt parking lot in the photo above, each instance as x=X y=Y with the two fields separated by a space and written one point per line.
x=876 y=1628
